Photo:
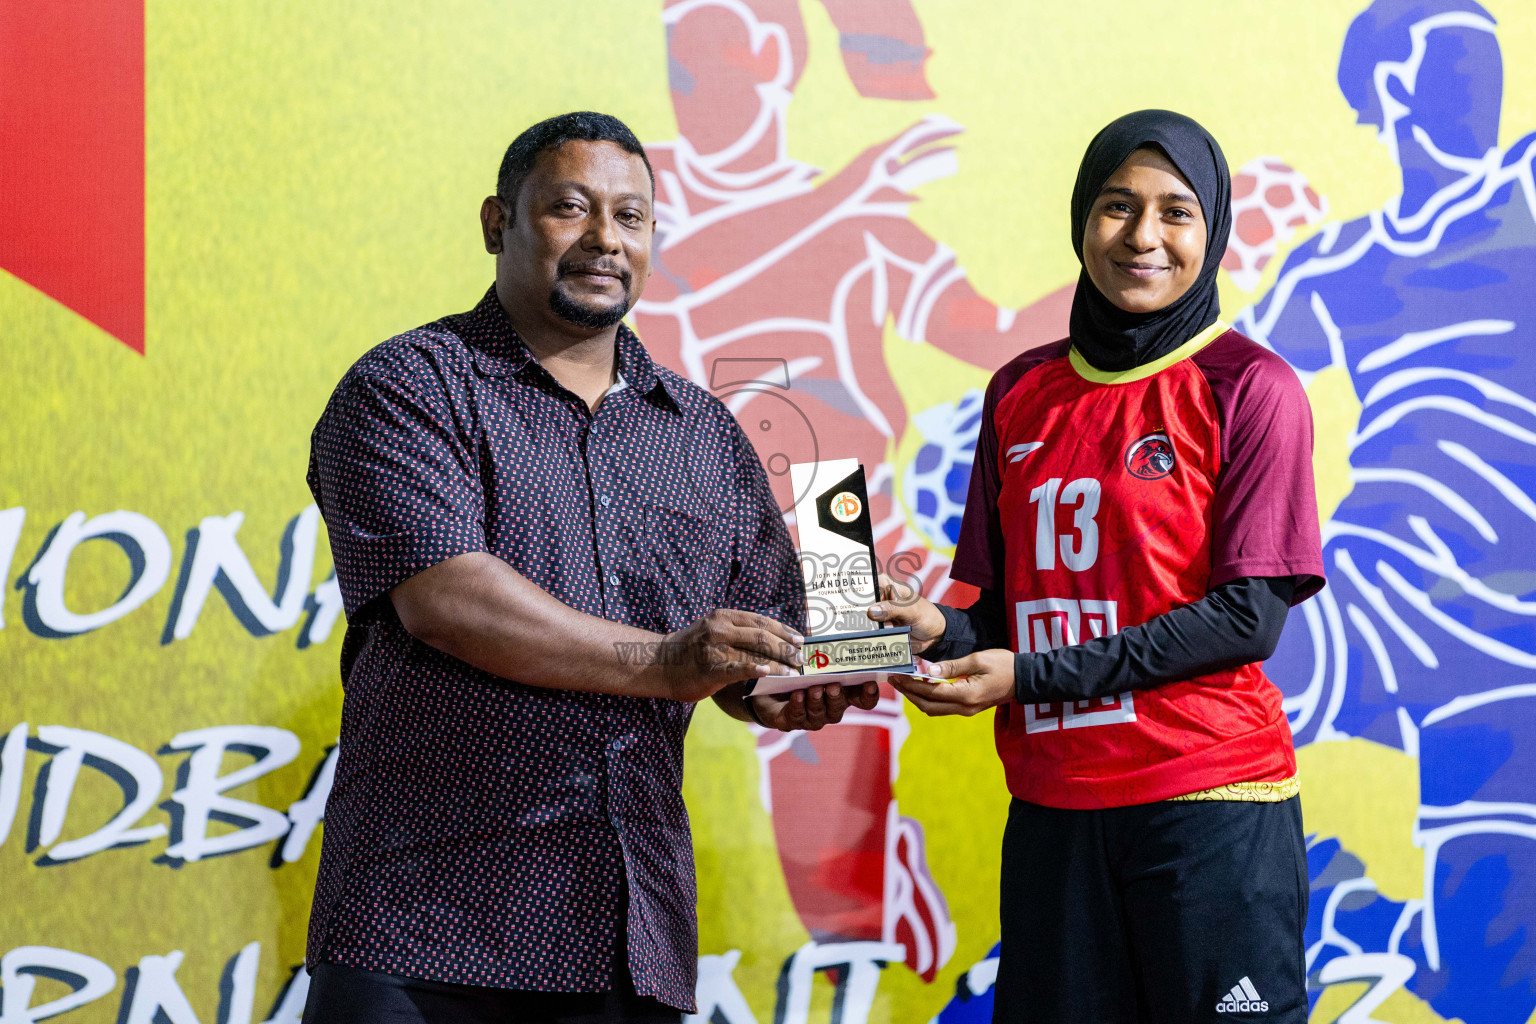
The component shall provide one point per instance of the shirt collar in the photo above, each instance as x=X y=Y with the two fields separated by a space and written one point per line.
x=499 y=352
x=1093 y=374
x=494 y=345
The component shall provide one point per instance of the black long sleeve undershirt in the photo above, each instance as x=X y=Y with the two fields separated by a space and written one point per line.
x=1237 y=623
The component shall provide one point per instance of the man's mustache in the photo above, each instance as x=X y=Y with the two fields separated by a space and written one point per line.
x=595 y=267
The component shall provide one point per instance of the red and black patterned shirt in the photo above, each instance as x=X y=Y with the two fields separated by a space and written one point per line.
x=482 y=831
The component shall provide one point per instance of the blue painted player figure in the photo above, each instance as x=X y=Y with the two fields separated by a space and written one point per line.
x=1425 y=641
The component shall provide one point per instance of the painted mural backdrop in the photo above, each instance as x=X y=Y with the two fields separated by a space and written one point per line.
x=208 y=211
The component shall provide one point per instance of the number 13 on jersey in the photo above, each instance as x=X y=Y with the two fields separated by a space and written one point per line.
x=1078 y=552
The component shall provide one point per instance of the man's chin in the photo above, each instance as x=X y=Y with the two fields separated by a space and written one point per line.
x=594 y=315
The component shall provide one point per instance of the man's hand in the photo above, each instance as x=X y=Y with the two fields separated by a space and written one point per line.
x=814 y=707
x=900 y=605
x=976 y=682
x=724 y=647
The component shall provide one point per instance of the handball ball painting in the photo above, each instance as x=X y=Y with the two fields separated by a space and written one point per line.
x=208 y=213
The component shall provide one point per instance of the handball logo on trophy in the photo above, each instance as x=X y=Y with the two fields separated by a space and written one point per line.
x=846 y=507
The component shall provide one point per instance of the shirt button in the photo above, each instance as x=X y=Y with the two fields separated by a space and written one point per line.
x=613 y=579
x=604 y=501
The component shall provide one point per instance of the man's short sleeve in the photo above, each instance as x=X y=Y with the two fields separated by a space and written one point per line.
x=396 y=481
x=1264 y=511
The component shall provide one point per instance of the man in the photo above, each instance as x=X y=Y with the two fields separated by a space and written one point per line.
x=524 y=511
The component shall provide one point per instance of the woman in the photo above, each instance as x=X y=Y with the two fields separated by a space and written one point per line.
x=1141 y=516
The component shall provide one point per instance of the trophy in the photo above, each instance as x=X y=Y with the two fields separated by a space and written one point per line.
x=837 y=559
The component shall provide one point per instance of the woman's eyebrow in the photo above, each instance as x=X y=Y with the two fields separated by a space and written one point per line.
x=1171 y=197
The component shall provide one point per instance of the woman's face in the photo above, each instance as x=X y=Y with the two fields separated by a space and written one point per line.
x=1145 y=238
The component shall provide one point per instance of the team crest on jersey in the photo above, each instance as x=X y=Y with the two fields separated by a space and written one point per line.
x=1150 y=457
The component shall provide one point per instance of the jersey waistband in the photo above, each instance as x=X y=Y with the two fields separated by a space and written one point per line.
x=1247 y=792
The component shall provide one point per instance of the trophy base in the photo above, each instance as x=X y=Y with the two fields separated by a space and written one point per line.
x=861 y=657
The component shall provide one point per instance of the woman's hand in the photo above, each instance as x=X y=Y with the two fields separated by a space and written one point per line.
x=900 y=605
x=976 y=682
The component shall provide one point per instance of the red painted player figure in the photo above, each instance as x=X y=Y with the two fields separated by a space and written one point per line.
x=767 y=274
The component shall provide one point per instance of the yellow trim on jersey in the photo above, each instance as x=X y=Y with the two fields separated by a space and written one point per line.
x=1249 y=792
x=1087 y=371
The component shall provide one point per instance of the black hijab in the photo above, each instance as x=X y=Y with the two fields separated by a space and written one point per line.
x=1106 y=335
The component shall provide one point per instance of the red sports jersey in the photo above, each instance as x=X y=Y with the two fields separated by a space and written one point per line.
x=1100 y=500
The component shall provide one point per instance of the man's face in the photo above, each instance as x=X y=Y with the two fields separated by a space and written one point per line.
x=577 y=251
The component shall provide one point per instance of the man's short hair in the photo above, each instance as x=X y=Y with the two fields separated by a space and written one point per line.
x=577 y=126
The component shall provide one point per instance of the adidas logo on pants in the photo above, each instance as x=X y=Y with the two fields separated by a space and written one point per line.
x=1243 y=998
